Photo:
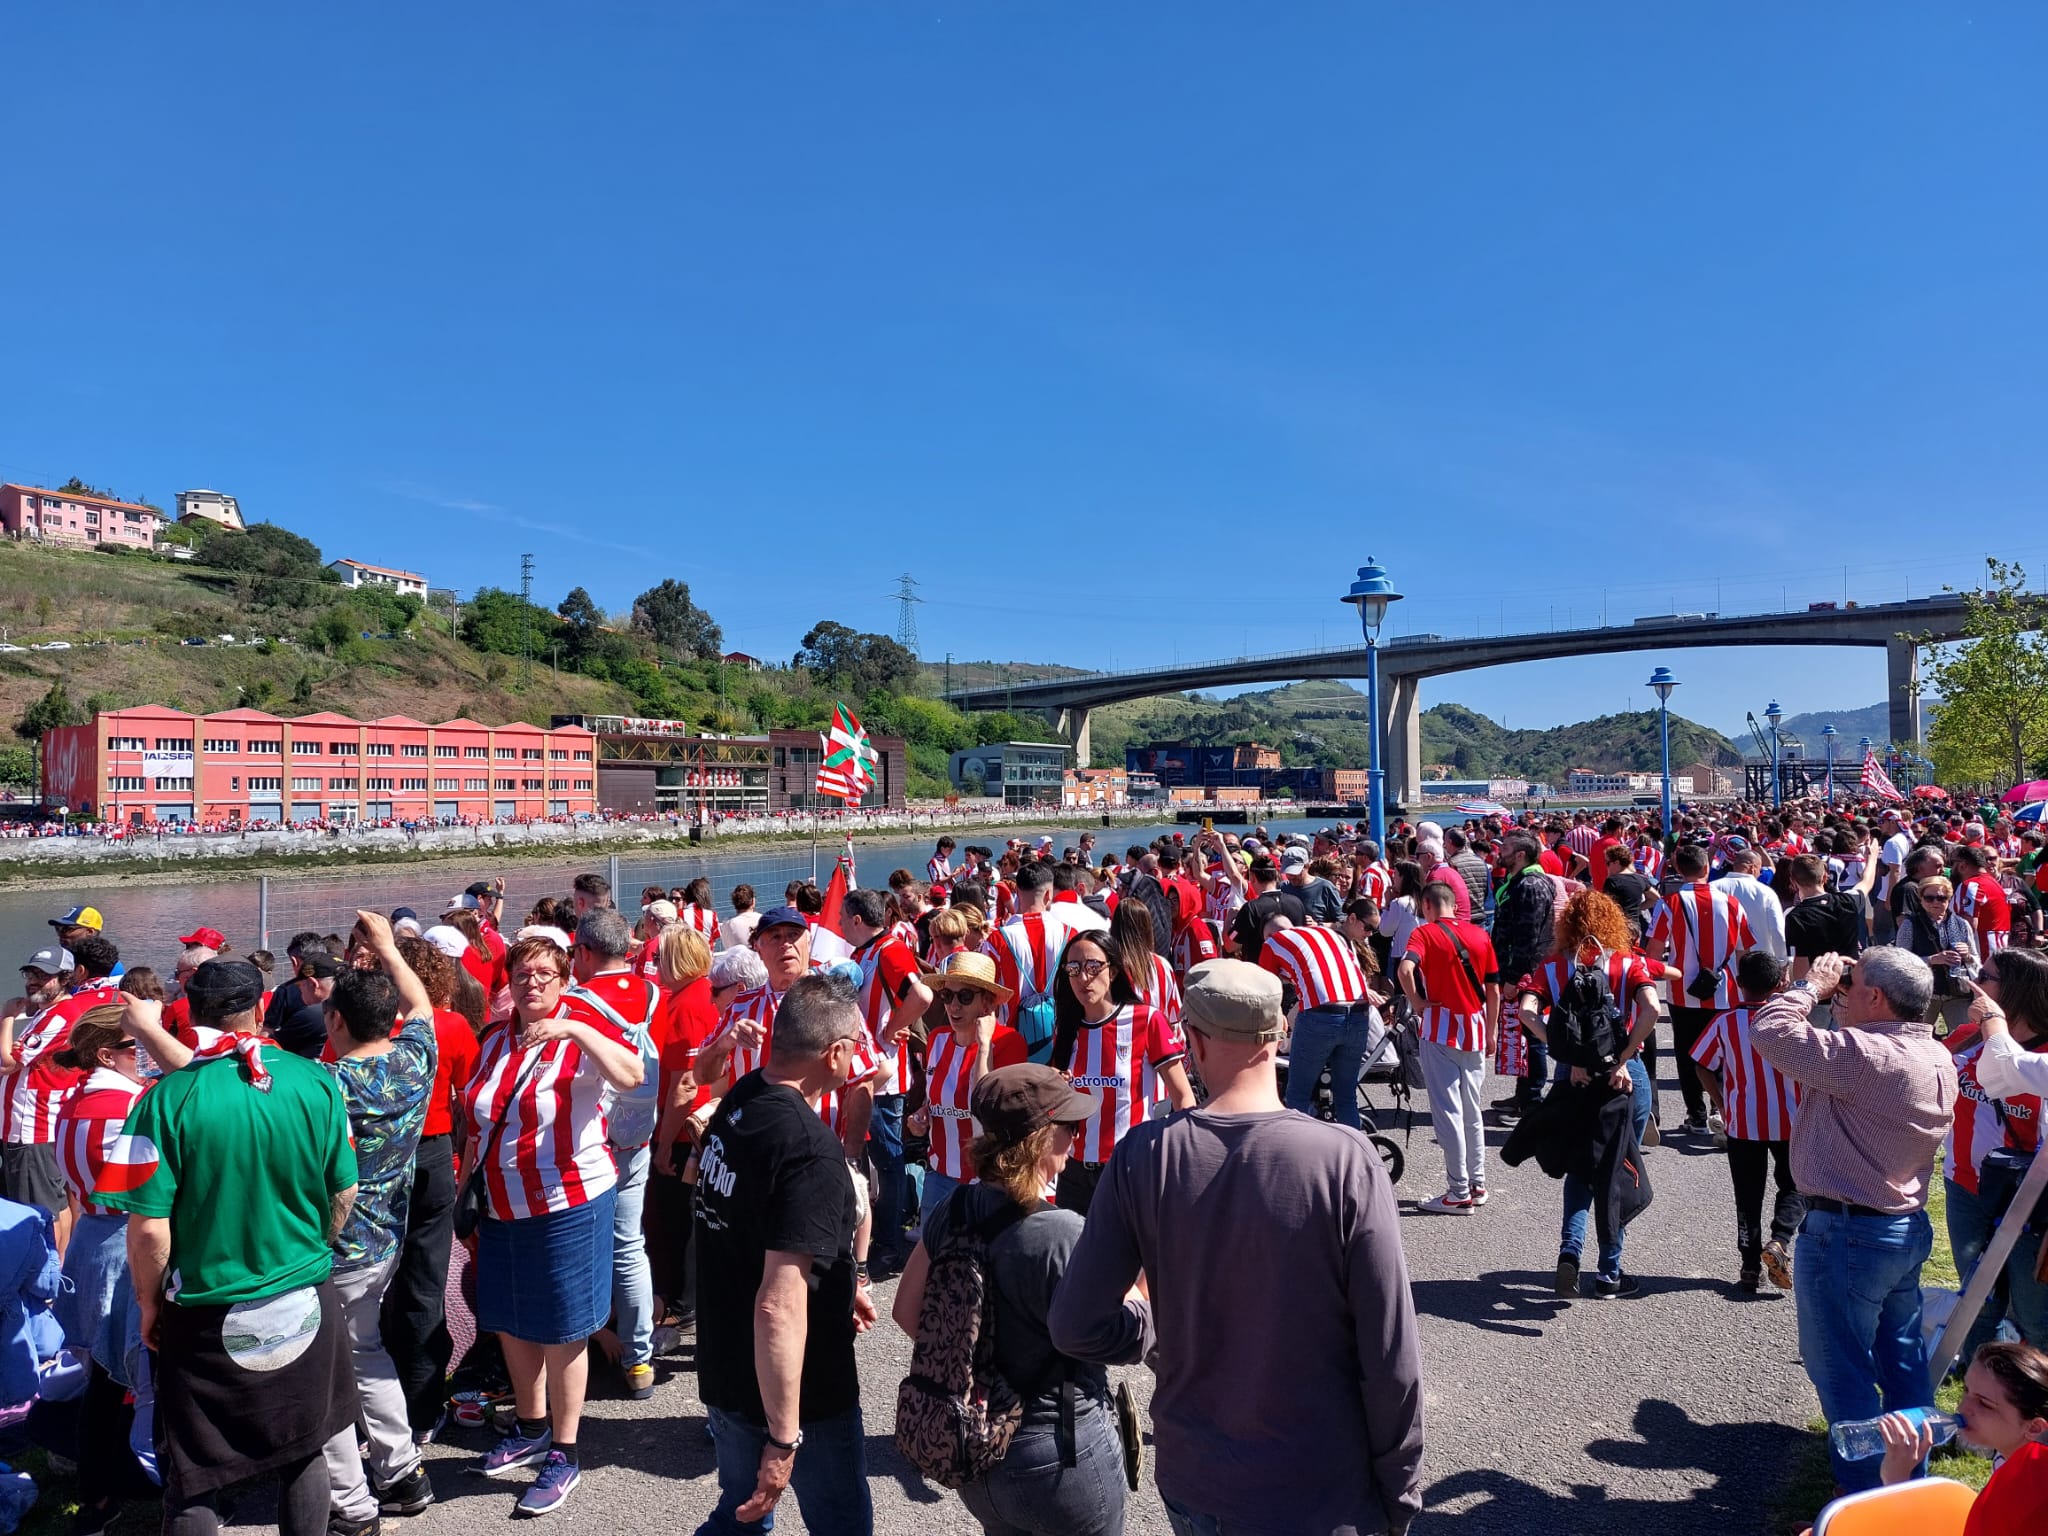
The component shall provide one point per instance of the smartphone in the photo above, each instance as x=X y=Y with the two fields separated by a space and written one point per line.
x=1208 y=823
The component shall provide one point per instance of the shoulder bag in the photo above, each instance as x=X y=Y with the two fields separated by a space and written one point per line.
x=471 y=1201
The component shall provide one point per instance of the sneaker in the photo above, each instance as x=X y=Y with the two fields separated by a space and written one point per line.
x=1718 y=1129
x=516 y=1451
x=1567 y=1282
x=338 y=1525
x=1778 y=1264
x=1507 y=1110
x=407 y=1495
x=1695 y=1124
x=1652 y=1136
x=668 y=1338
x=433 y=1431
x=1604 y=1289
x=1444 y=1205
x=1751 y=1283
x=1479 y=1194
x=639 y=1382
x=558 y=1475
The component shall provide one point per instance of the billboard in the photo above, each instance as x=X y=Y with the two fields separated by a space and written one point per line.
x=71 y=766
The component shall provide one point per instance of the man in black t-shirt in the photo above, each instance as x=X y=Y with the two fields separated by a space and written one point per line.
x=1629 y=887
x=1818 y=921
x=777 y=1301
x=1266 y=900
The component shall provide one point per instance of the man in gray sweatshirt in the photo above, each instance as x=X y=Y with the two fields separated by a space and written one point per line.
x=1289 y=1379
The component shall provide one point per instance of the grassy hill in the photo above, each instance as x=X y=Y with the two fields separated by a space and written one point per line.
x=126 y=616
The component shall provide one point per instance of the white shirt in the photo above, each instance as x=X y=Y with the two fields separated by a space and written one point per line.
x=1397 y=922
x=1893 y=858
x=738 y=933
x=2006 y=1068
x=1760 y=906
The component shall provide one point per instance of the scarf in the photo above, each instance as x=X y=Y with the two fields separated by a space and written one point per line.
x=249 y=1048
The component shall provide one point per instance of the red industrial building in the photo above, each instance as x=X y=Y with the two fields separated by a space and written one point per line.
x=239 y=766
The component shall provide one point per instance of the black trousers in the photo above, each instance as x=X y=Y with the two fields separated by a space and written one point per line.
x=414 y=1319
x=1748 y=1163
x=670 y=1222
x=1687 y=1025
x=301 y=1504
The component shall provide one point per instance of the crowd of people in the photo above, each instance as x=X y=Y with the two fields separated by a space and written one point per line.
x=314 y=1208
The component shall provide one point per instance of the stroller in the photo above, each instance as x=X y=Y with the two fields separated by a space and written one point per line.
x=1386 y=1064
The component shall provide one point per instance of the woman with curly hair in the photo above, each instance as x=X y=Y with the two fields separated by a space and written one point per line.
x=1591 y=983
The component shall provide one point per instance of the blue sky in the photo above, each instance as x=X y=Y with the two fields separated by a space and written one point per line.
x=1127 y=333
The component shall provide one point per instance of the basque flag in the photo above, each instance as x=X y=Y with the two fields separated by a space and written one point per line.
x=131 y=1163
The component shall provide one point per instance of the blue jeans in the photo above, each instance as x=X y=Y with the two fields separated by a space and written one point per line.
x=1578 y=1194
x=885 y=1151
x=1028 y=1492
x=632 y=1279
x=1336 y=1038
x=1857 y=1283
x=1186 y=1522
x=830 y=1478
x=937 y=1186
x=2018 y=1294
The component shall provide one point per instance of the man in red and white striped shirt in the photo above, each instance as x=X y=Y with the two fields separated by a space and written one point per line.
x=1702 y=931
x=1757 y=1102
x=939 y=867
x=1452 y=979
x=1336 y=1023
x=35 y=1087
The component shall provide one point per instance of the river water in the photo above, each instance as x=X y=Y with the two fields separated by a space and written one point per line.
x=146 y=920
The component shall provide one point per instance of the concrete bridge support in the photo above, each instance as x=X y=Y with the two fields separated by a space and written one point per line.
x=1902 y=688
x=1072 y=722
x=1401 y=730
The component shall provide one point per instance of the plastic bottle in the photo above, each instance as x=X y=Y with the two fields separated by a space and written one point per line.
x=1861 y=1439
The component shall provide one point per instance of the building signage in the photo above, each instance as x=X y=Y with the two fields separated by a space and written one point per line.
x=167 y=765
x=632 y=726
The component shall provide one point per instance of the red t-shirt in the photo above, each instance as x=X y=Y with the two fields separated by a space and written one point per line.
x=1598 y=861
x=455 y=1063
x=2015 y=1501
x=1550 y=861
x=682 y=1024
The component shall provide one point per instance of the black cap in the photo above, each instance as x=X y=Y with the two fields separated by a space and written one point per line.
x=223 y=987
x=481 y=888
x=316 y=960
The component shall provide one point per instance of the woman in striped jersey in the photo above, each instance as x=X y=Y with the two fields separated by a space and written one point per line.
x=966 y=1046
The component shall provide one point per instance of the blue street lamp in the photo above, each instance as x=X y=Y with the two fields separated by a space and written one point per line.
x=1663 y=682
x=1774 y=714
x=1371 y=594
x=1827 y=736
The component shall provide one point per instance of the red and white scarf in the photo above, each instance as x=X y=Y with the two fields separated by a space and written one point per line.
x=245 y=1045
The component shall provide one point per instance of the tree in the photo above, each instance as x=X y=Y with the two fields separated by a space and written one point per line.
x=17 y=764
x=1993 y=685
x=855 y=662
x=582 y=622
x=492 y=623
x=49 y=712
x=666 y=615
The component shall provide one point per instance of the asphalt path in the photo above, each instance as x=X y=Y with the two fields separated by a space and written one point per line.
x=1671 y=1412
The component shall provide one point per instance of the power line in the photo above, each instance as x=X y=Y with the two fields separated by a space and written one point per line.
x=525 y=615
x=906 y=612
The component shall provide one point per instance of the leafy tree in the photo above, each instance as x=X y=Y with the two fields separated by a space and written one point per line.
x=53 y=709
x=855 y=662
x=271 y=565
x=582 y=622
x=333 y=630
x=1994 y=685
x=17 y=764
x=666 y=615
x=491 y=623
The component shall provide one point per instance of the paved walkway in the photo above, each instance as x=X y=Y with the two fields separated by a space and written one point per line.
x=1669 y=1413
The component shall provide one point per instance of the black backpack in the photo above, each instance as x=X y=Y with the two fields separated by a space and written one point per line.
x=1587 y=1028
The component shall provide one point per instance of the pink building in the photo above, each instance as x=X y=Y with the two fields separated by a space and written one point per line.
x=72 y=517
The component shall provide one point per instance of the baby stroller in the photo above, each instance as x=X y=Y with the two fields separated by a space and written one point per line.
x=1384 y=1064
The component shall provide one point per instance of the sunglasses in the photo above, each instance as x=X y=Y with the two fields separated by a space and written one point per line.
x=122 y=1045
x=963 y=996
x=1085 y=968
x=1933 y=901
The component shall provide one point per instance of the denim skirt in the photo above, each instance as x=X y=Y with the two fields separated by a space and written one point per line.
x=547 y=1279
x=94 y=1262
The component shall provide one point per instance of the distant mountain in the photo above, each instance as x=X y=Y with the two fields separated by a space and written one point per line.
x=1324 y=723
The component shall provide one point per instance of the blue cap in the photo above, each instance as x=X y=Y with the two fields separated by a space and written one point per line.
x=400 y=914
x=778 y=917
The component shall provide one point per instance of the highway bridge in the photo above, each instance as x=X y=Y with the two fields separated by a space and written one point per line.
x=1900 y=628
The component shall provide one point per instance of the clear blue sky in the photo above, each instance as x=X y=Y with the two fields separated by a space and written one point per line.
x=1127 y=331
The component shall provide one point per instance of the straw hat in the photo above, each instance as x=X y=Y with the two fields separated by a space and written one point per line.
x=977 y=970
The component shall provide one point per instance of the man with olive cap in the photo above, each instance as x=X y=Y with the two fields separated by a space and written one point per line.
x=236 y=1170
x=1334 y=1442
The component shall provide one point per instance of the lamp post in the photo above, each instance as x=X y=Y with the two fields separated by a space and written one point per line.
x=1774 y=714
x=1827 y=736
x=1663 y=682
x=1371 y=594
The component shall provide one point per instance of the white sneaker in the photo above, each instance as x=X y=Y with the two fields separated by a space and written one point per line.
x=1478 y=1194
x=1718 y=1129
x=1444 y=1205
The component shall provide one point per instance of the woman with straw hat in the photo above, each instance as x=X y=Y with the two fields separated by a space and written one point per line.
x=967 y=1043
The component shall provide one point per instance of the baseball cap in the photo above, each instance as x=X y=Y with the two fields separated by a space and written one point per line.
x=481 y=888
x=212 y=938
x=314 y=960
x=50 y=960
x=1233 y=1000
x=222 y=987
x=547 y=931
x=1293 y=859
x=1012 y=1102
x=780 y=917
x=80 y=917
x=404 y=914
x=463 y=903
x=449 y=941
x=663 y=910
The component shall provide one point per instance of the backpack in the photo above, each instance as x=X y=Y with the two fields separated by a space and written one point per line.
x=631 y=1114
x=1163 y=906
x=955 y=1413
x=1587 y=1029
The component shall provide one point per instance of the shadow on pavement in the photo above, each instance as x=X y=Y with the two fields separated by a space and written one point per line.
x=883 y=1457
x=1741 y=1463
x=1511 y=1301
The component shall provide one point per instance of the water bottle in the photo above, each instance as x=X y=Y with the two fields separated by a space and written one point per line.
x=1861 y=1439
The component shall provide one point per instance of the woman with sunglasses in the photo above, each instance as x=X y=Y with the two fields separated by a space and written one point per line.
x=2006 y=1073
x=544 y=1248
x=1113 y=1044
x=967 y=1044
x=96 y=1261
x=1931 y=927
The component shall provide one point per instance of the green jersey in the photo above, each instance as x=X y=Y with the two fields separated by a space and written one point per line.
x=246 y=1177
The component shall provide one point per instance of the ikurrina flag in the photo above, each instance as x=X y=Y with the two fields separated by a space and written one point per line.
x=848 y=768
x=1876 y=780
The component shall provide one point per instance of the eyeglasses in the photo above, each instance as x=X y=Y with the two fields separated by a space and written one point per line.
x=1088 y=969
x=122 y=1045
x=530 y=980
x=963 y=996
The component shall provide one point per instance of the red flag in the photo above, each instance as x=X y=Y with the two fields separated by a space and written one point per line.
x=835 y=891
